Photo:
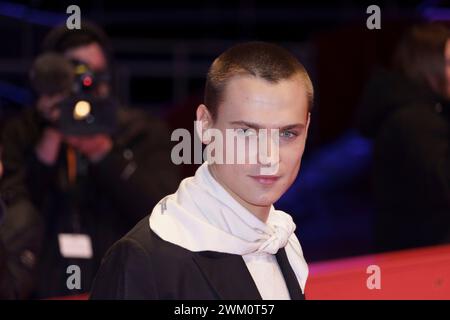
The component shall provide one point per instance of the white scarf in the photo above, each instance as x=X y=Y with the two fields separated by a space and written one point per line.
x=202 y=216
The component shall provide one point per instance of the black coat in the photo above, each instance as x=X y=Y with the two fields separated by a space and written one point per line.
x=143 y=266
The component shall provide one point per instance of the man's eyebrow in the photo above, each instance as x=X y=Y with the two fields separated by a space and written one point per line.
x=258 y=126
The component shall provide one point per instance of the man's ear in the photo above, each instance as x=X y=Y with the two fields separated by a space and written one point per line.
x=204 y=122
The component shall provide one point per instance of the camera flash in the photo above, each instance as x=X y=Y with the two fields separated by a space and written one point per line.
x=82 y=110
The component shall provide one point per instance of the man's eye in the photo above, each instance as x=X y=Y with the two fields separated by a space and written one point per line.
x=288 y=134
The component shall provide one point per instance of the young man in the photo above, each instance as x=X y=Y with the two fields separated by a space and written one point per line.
x=219 y=236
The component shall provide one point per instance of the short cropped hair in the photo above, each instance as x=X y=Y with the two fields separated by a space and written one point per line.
x=259 y=59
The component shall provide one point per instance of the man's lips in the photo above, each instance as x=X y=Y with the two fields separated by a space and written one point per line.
x=265 y=180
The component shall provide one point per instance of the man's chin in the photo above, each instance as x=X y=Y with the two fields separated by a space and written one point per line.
x=263 y=201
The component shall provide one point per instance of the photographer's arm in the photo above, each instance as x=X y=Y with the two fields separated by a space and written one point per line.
x=25 y=174
x=24 y=178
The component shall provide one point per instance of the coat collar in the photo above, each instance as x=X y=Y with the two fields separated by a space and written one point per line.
x=230 y=279
x=227 y=275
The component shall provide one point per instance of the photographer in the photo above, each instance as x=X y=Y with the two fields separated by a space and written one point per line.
x=90 y=170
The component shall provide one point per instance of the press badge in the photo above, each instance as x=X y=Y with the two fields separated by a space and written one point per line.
x=72 y=245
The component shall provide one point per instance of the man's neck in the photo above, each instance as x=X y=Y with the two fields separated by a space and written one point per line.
x=261 y=212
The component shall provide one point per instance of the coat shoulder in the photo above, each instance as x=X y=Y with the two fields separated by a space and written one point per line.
x=143 y=236
x=134 y=266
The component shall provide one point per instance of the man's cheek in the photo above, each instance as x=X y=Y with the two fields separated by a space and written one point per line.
x=291 y=164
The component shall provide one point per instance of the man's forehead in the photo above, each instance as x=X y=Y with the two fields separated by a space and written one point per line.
x=261 y=91
x=253 y=98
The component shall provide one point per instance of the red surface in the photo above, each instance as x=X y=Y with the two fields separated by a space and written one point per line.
x=411 y=274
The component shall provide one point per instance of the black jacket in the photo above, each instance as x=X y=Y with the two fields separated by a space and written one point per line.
x=143 y=266
x=22 y=231
x=108 y=199
x=411 y=130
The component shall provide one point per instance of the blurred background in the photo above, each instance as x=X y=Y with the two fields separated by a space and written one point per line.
x=163 y=49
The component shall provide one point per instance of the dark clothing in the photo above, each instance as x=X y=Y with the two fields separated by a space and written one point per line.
x=108 y=198
x=22 y=230
x=410 y=126
x=143 y=266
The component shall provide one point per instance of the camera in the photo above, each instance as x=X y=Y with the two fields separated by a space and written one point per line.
x=83 y=111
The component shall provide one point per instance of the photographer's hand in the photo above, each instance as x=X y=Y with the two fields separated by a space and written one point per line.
x=47 y=106
x=47 y=148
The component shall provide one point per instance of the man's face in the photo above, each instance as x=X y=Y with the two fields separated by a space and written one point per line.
x=251 y=102
x=91 y=54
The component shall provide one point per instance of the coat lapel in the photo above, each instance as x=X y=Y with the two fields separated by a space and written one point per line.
x=292 y=284
x=227 y=275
